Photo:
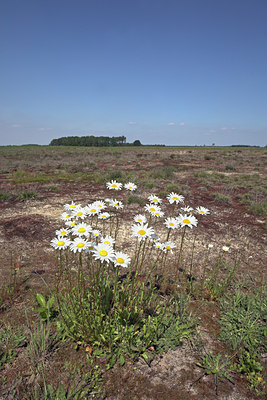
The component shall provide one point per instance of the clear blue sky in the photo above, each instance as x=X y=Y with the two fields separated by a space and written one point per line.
x=172 y=72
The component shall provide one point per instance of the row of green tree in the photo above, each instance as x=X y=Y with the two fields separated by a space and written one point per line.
x=98 y=141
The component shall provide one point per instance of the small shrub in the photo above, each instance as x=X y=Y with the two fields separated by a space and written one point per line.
x=163 y=172
x=258 y=207
x=27 y=194
x=222 y=198
x=229 y=168
x=5 y=196
x=134 y=199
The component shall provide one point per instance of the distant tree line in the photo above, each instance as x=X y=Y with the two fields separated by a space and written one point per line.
x=97 y=141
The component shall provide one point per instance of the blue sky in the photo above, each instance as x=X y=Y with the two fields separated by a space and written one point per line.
x=174 y=72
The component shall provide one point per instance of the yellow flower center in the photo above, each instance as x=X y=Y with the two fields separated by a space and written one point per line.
x=202 y=212
x=116 y=205
x=168 y=247
x=73 y=223
x=81 y=230
x=60 y=243
x=186 y=221
x=155 y=199
x=68 y=216
x=114 y=185
x=175 y=198
x=141 y=232
x=103 y=253
x=152 y=209
x=120 y=260
x=130 y=187
x=93 y=210
x=90 y=247
x=107 y=241
x=140 y=220
x=79 y=214
x=63 y=232
x=171 y=224
x=72 y=206
x=80 y=245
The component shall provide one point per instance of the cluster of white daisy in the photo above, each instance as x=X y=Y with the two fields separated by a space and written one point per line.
x=80 y=236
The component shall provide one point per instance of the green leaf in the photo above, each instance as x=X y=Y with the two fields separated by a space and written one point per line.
x=121 y=360
x=41 y=300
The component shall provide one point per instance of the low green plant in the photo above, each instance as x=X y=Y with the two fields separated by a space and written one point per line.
x=248 y=364
x=134 y=199
x=46 y=310
x=218 y=282
x=27 y=194
x=216 y=365
x=5 y=196
x=229 y=168
x=222 y=198
x=42 y=342
x=258 y=207
x=163 y=172
x=176 y=324
x=10 y=341
x=7 y=290
x=243 y=320
x=117 y=318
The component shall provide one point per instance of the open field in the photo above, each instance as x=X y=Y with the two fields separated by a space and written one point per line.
x=216 y=293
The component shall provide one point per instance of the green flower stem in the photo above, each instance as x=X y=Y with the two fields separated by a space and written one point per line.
x=181 y=249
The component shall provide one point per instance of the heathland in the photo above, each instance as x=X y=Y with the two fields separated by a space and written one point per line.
x=169 y=307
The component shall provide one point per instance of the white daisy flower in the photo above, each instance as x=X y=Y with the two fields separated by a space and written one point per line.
x=60 y=243
x=154 y=238
x=202 y=210
x=92 y=209
x=114 y=185
x=71 y=223
x=187 y=209
x=62 y=232
x=152 y=208
x=140 y=218
x=79 y=244
x=159 y=245
x=117 y=204
x=66 y=216
x=121 y=259
x=108 y=200
x=154 y=199
x=210 y=245
x=142 y=231
x=130 y=186
x=168 y=247
x=171 y=223
x=99 y=204
x=80 y=212
x=103 y=252
x=96 y=233
x=108 y=240
x=187 y=220
x=175 y=198
x=90 y=248
x=82 y=229
x=104 y=215
x=225 y=248
x=71 y=206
